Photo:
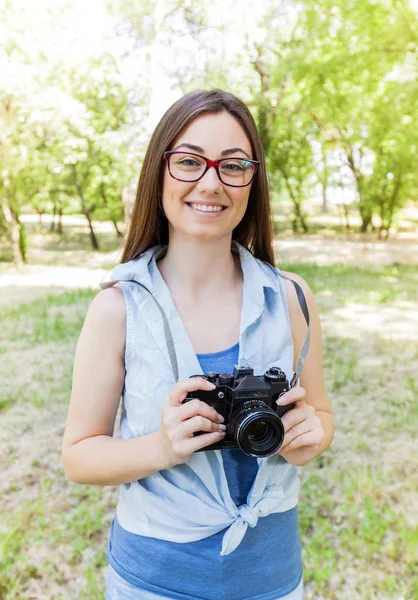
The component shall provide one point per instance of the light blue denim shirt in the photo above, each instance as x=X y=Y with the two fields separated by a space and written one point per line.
x=191 y=501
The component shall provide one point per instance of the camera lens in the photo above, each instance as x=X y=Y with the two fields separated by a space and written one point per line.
x=257 y=429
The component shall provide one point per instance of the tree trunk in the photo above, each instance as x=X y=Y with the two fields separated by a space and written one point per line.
x=13 y=221
x=298 y=209
x=324 y=182
x=85 y=211
x=93 y=238
x=118 y=232
x=392 y=203
x=301 y=217
x=59 y=226
x=366 y=219
x=346 y=210
x=22 y=240
x=54 y=212
x=264 y=107
x=106 y=204
x=366 y=212
x=39 y=221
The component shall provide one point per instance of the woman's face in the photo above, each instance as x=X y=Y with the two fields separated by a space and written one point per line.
x=213 y=136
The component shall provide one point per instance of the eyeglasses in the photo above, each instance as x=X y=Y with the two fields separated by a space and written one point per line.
x=188 y=167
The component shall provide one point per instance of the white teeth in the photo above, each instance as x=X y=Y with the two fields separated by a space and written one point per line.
x=205 y=208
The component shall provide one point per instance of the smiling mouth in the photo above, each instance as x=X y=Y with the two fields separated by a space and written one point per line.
x=206 y=208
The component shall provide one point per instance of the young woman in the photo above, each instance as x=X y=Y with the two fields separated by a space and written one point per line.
x=215 y=524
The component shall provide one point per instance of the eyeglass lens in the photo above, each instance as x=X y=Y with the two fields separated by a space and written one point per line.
x=232 y=171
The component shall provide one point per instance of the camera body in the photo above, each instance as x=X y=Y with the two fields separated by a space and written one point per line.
x=248 y=404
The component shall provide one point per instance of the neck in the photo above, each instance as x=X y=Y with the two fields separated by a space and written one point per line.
x=200 y=267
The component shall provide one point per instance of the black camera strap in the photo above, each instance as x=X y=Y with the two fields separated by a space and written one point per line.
x=169 y=337
x=305 y=346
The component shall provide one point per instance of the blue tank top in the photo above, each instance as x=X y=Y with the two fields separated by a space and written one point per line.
x=266 y=565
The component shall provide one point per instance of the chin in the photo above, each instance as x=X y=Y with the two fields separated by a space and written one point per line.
x=207 y=236
x=202 y=234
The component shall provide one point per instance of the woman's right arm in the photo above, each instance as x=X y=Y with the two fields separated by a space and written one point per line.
x=90 y=454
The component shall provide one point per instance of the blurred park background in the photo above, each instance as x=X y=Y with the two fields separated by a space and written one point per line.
x=333 y=87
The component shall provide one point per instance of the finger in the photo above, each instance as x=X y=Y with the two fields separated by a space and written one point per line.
x=311 y=424
x=197 y=442
x=304 y=427
x=198 y=423
x=297 y=415
x=179 y=392
x=312 y=439
x=197 y=407
x=292 y=395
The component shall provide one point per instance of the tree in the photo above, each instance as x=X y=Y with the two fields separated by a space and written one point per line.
x=349 y=52
x=54 y=105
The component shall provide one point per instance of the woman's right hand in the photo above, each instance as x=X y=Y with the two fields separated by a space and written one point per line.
x=179 y=421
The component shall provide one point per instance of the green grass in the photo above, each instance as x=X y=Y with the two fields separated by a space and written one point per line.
x=68 y=536
x=6 y=401
x=363 y=530
x=42 y=335
x=349 y=285
x=50 y=319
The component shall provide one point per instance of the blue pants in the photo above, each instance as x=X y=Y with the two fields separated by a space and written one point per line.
x=119 y=589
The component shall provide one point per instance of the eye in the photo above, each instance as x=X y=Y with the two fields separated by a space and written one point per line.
x=235 y=166
x=190 y=162
x=186 y=161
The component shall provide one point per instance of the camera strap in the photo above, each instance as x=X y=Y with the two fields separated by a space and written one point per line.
x=169 y=337
x=305 y=346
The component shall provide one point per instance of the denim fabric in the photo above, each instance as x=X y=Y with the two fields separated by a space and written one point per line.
x=155 y=506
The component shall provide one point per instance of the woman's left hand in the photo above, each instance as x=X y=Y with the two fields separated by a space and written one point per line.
x=303 y=429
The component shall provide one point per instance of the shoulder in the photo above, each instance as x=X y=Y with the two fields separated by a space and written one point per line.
x=297 y=318
x=290 y=288
x=104 y=330
x=107 y=308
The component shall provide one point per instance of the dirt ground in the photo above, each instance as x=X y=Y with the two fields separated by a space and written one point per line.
x=52 y=271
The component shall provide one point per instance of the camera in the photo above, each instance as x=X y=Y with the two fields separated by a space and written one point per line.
x=248 y=404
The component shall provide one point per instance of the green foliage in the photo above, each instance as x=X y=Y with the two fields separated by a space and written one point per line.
x=63 y=119
x=332 y=84
x=350 y=67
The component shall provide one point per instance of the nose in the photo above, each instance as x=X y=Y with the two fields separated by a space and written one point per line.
x=210 y=182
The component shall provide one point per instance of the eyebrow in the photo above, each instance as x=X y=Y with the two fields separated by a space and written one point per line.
x=200 y=150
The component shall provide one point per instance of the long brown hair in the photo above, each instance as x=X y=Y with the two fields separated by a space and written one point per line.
x=148 y=224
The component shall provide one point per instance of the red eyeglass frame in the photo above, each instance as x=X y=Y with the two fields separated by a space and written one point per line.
x=210 y=163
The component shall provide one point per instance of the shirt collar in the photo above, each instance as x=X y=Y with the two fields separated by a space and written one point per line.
x=256 y=276
x=256 y=281
x=251 y=267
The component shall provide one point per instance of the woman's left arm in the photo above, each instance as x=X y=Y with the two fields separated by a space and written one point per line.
x=309 y=427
